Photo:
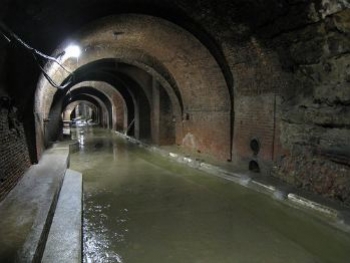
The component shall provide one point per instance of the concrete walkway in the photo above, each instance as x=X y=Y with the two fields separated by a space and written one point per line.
x=26 y=213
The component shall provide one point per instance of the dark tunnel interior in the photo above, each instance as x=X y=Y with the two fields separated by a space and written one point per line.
x=260 y=87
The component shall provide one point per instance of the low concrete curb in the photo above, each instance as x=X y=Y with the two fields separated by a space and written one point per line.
x=64 y=241
x=333 y=213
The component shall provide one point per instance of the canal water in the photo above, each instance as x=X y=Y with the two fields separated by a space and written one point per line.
x=142 y=208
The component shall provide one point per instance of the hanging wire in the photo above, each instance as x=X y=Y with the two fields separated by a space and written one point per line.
x=10 y=35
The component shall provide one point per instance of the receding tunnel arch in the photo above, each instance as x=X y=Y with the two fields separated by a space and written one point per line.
x=68 y=113
x=84 y=92
x=132 y=92
x=176 y=60
x=121 y=108
x=53 y=127
x=103 y=67
x=101 y=113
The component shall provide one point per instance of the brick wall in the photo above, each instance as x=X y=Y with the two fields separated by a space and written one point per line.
x=14 y=157
x=258 y=84
x=315 y=113
x=316 y=171
x=254 y=119
x=292 y=94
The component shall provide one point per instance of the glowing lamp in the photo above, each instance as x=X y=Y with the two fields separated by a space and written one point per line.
x=72 y=51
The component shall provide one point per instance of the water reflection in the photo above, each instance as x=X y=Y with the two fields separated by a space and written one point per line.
x=80 y=134
x=97 y=241
x=140 y=208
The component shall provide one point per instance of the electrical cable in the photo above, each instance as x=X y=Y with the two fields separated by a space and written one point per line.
x=50 y=80
x=10 y=35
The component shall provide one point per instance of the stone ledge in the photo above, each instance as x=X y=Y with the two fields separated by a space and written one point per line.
x=302 y=201
x=64 y=240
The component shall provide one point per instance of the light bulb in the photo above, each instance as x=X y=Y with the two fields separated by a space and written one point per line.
x=72 y=51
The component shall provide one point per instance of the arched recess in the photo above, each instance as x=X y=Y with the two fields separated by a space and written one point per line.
x=149 y=95
x=53 y=126
x=103 y=109
x=120 y=107
x=132 y=93
x=98 y=95
x=164 y=105
x=68 y=111
x=146 y=93
x=174 y=57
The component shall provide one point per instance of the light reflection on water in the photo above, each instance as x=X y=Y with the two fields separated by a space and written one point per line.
x=140 y=208
x=97 y=237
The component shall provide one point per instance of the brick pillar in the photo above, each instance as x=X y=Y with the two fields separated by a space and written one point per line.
x=155 y=109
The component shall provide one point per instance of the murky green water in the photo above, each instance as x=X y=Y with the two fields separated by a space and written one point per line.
x=141 y=208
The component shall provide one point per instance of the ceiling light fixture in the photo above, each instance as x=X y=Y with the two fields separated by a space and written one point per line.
x=72 y=51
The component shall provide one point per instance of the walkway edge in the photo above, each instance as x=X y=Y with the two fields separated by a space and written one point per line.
x=64 y=240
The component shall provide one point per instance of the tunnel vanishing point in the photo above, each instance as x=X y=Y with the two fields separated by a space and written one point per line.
x=263 y=85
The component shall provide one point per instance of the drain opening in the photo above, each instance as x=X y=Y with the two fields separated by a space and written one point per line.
x=255 y=146
x=254 y=167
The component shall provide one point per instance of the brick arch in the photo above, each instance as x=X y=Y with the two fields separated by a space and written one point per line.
x=104 y=99
x=100 y=110
x=169 y=53
x=119 y=105
x=67 y=111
